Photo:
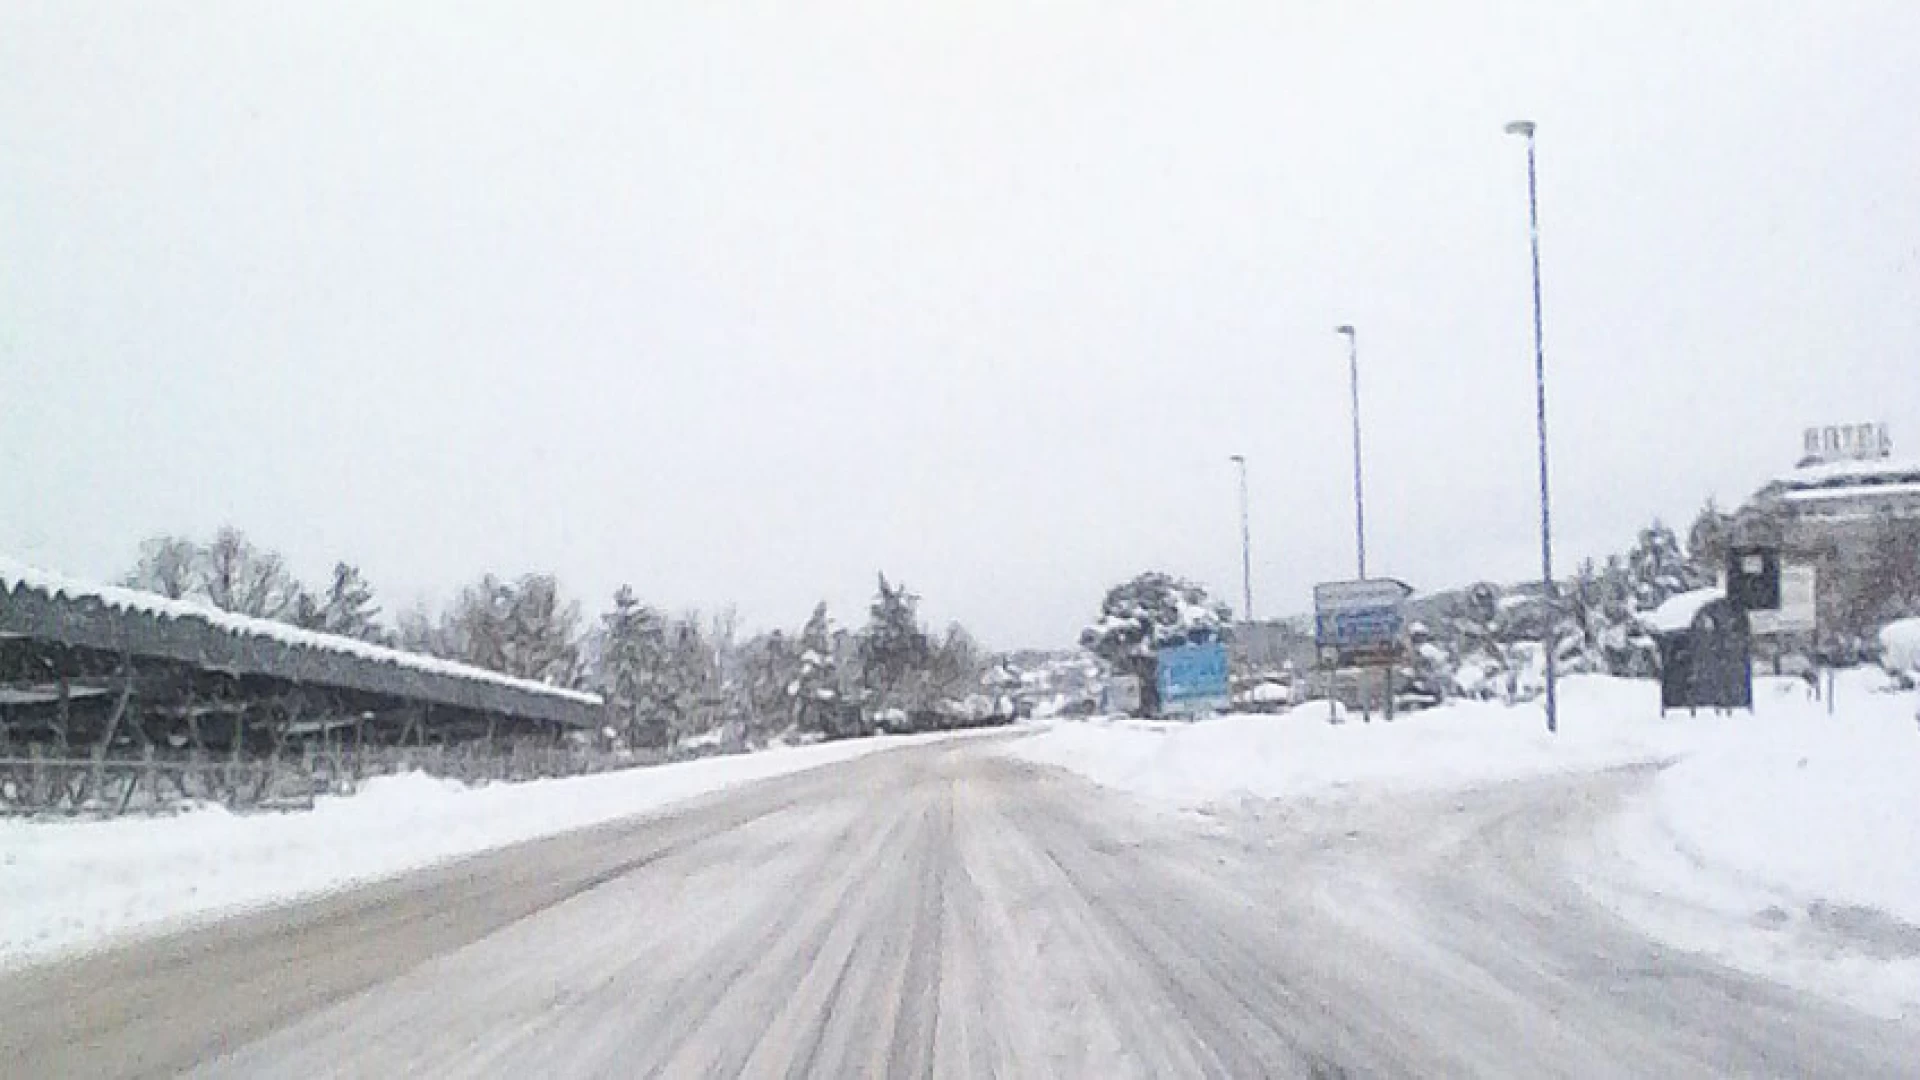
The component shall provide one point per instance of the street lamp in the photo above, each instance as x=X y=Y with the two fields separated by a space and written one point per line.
x=1246 y=544
x=1524 y=129
x=1359 y=495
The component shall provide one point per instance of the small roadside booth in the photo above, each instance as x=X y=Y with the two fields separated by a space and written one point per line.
x=1706 y=652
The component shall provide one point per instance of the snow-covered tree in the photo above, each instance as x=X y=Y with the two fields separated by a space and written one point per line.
x=521 y=628
x=956 y=664
x=1657 y=568
x=1709 y=539
x=170 y=566
x=893 y=647
x=629 y=667
x=230 y=573
x=814 y=693
x=691 y=683
x=418 y=630
x=763 y=667
x=1154 y=611
x=247 y=580
x=346 y=608
x=544 y=632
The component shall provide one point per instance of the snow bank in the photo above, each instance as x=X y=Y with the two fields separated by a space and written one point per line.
x=1788 y=845
x=65 y=885
x=1900 y=646
x=1785 y=842
x=1809 y=806
x=1604 y=722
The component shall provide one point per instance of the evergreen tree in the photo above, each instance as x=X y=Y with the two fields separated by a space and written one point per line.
x=631 y=656
x=543 y=632
x=815 y=690
x=690 y=681
x=893 y=647
x=519 y=628
x=347 y=608
x=1709 y=540
x=1657 y=568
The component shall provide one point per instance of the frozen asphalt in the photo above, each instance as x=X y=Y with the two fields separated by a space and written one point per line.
x=944 y=911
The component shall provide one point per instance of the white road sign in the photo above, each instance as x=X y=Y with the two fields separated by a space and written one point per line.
x=1372 y=593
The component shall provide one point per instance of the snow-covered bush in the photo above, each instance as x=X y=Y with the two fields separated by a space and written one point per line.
x=1900 y=649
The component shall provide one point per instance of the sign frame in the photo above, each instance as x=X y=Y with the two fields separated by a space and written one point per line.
x=1360 y=620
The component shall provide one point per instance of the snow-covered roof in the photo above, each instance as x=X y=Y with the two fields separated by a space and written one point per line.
x=1871 y=474
x=1678 y=612
x=1815 y=494
x=285 y=643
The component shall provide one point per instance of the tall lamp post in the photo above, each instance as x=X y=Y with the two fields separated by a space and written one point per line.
x=1524 y=129
x=1359 y=491
x=1246 y=544
x=1359 y=496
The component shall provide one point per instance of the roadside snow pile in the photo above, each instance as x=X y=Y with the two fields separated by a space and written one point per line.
x=65 y=885
x=1820 y=808
x=1785 y=842
x=1604 y=722
x=1900 y=647
x=1788 y=845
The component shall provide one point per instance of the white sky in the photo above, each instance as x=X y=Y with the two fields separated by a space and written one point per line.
x=741 y=303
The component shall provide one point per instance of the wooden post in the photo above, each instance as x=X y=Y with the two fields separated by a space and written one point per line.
x=37 y=771
x=113 y=728
x=193 y=722
x=62 y=714
x=133 y=786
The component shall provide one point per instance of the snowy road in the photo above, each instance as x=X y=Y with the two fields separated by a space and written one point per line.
x=947 y=911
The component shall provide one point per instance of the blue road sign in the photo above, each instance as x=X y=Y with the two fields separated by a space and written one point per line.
x=1359 y=621
x=1192 y=678
x=1359 y=628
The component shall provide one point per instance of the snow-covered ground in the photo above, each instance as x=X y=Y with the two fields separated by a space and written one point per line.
x=1786 y=842
x=1788 y=846
x=1604 y=722
x=68 y=885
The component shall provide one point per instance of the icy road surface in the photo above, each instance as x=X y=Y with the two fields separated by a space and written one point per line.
x=947 y=911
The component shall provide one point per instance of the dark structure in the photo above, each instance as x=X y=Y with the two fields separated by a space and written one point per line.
x=1753 y=577
x=1707 y=661
x=86 y=668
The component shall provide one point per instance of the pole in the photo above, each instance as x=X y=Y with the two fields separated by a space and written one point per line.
x=1246 y=545
x=1548 y=635
x=1359 y=488
x=1359 y=484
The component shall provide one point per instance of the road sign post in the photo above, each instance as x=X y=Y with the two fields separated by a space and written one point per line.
x=1359 y=624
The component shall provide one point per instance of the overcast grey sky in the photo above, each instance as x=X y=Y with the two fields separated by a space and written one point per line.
x=741 y=303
